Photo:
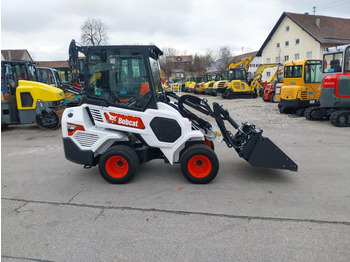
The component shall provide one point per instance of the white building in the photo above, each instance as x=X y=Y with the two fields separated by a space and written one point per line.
x=300 y=36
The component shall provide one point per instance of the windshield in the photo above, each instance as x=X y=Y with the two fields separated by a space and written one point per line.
x=236 y=74
x=207 y=78
x=347 y=60
x=155 y=68
x=58 y=79
x=294 y=71
x=120 y=77
x=313 y=72
x=332 y=63
x=199 y=79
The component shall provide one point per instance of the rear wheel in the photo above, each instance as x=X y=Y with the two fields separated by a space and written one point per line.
x=119 y=164
x=199 y=164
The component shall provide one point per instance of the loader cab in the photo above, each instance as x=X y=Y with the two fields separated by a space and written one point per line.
x=336 y=60
x=122 y=76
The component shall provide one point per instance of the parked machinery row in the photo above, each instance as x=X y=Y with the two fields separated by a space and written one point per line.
x=314 y=88
x=232 y=84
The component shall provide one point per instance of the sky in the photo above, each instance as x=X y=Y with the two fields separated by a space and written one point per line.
x=46 y=27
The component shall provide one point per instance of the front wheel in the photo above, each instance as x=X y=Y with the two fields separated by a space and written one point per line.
x=199 y=164
x=48 y=120
x=119 y=164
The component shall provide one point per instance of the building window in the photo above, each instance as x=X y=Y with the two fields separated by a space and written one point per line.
x=268 y=74
x=278 y=45
x=287 y=43
x=268 y=60
x=296 y=56
x=277 y=59
x=287 y=28
x=309 y=54
x=297 y=41
x=286 y=58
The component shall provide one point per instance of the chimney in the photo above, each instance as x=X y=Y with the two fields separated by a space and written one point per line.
x=318 y=20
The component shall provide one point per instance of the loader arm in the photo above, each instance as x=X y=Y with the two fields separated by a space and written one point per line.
x=248 y=142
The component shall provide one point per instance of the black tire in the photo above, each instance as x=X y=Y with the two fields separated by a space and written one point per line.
x=273 y=98
x=199 y=164
x=119 y=164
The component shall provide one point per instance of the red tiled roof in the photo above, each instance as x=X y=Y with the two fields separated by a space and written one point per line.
x=15 y=54
x=238 y=58
x=331 y=31
x=325 y=29
x=53 y=64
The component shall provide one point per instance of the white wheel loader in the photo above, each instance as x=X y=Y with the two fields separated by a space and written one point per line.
x=128 y=119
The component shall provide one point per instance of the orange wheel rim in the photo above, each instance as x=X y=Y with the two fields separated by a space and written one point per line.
x=117 y=166
x=199 y=166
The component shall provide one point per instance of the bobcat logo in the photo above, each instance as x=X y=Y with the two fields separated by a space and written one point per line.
x=124 y=120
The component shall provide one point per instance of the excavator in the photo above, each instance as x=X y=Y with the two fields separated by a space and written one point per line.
x=255 y=83
x=235 y=82
x=191 y=83
x=208 y=88
x=276 y=82
x=335 y=89
x=24 y=100
x=128 y=119
x=301 y=82
x=199 y=87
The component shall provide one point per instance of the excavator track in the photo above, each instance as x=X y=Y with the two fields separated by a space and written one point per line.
x=318 y=113
x=233 y=95
x=341 y=118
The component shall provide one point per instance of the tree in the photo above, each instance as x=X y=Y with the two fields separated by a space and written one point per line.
x=167 y=65
x=201 y=62
x=94 y=32
x=224 y=58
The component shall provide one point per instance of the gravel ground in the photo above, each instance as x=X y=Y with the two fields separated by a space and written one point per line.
x=254 y=111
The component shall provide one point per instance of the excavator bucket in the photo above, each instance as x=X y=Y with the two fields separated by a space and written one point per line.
x=260 y=151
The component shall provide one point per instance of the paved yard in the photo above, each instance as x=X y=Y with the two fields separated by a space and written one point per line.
x=55 y=210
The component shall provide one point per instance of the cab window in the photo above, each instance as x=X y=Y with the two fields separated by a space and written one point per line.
x=120 y=78
x=313 y=72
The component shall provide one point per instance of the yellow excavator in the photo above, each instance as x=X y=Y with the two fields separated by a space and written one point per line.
x=235 y=84
x=208 y=87
x=301 y=85
x=191 y=82
x=255 y=83
x=199 y=87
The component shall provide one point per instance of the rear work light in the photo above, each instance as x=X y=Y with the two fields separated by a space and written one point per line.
x=72 y=128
